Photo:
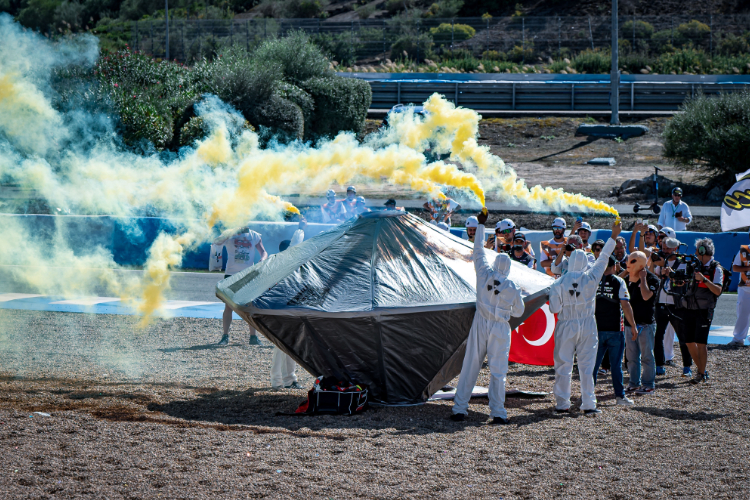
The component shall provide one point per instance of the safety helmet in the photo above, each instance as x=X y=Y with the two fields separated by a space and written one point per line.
x=559 y=222
x=668 y=231
x=472 y=222
x=586 y=226
x=351 y=188
x=330 y=193
x=361 y=199
x=505 y=224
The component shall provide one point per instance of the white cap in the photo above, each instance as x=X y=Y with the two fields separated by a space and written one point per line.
x=671 y=242
x=586 y=226
x=505 y=224
x=668 y=231
x=472 y=222
x=330 y=193
x=444 y=226
x=559 y=222
x=361 y=199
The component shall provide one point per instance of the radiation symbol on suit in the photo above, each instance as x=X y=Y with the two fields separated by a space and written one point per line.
x=492 y=287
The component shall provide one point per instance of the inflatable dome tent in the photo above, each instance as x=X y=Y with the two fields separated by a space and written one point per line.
x=384 y=300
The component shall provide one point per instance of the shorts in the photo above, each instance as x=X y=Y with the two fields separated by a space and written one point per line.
x=694 y=325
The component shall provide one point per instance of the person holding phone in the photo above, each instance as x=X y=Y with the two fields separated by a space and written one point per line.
x=675 y=214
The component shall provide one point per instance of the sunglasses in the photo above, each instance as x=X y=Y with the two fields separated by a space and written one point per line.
x=677 y=194
x=504 y=231
x=557 y=228
x=596 y=249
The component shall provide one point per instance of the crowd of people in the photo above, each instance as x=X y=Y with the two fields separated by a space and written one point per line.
x=616 y=302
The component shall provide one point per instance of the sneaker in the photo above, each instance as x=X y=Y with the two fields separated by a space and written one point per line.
x=670 y=362
x=687 y=372
x=645 y=390
x=224 y=340
x=254 y=340
x=660 y=370
x=631 y=389
x=737 y=343
x=624 y=401
x=705 y=375
x=697 y=379
x=499 y=421
x=602 y=372
x=458 y=417
x=293 y=385
x=562 y=410
x=591 y=413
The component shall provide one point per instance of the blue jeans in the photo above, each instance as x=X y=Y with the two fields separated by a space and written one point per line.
x=614 y=344
x=640 y=352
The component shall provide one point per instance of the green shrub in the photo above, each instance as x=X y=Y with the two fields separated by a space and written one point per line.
x=557 y=66
x=306 y=8
x=299 y=59
x=393 y=6
x=694 y=31
x=39 y=14
x=643 y=30
x=682 y=60
x=341 y=104
x=712 y=135
x=415 y=47
x=464 y=64
x=444 y=9
x=338 y=46
x=494 y=55
x=733 y=45
x=456 y=32
x=279 y=118
x=302 y=99
x=365 y=11
x=634 y=63
x=519 y=54
x=665 y=41
x=455 y=53
x=593 y=61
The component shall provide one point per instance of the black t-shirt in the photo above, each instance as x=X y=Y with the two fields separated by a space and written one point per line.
x=612 y=289
x=643 y=310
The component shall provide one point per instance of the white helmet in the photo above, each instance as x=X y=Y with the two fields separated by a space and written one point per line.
x=330 y=193
x=505 y=224
x=559 y=222
x=472 y=222
x=444 y=226
x=361 y=199
x=669 y=232
x=586 y=226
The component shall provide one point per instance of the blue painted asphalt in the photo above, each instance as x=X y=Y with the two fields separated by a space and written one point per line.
x=181 y=309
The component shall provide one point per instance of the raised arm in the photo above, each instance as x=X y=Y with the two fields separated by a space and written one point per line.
x=481 y=262
x=597 y=270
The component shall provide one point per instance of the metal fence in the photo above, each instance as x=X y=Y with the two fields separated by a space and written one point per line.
x=371 y=40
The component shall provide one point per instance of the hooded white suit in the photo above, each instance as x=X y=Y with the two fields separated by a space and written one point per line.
x=283 y=367
x=498 y=298
x=573 y=299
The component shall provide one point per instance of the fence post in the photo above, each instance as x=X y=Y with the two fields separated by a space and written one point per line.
x=513 y=97
x=151 y=32
x=265 y=27
x=137 y=38
x=383 y=29
x=559 y=36
x=398 y=92
x=488 y=34
x=247 y=34
x=671 y=30
x=711 y=36
x=591 y=34
x=453 y=31
x=418 y=43
x=523 y=36
x=572 y=96
x=634 y=32
x=615 y=74
x=231 y=32
x=182 y=41
x=166 y=20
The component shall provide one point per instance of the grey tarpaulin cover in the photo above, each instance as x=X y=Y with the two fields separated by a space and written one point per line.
x=384 y=299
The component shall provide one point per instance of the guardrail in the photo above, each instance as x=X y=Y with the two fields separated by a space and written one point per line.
x=505 y=92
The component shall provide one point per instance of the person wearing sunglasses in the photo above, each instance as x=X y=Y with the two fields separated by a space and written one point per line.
x=639 y=344
x=502 y=240
x=573 y=299
x=676 y=213
x=584 y=231
x=560 y=265
x=519 y=254
x=550 y=249
x=647 y=235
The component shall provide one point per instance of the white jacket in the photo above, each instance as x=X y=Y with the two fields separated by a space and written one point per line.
x=498 y=298
x=573 y=296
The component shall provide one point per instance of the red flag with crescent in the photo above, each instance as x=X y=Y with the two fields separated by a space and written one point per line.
x=533 y=342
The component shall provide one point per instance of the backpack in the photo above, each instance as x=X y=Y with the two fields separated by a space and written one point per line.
x=727 y=279
x=333 y=397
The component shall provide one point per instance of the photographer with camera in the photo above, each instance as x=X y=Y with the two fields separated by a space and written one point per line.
x=560 y=265
x=664 y=341
x=675 y=214
x=696 y=284
x=518 y=252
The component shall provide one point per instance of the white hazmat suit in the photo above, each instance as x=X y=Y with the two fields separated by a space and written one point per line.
x=283 y=366
x=573 y=299
x=498 y=298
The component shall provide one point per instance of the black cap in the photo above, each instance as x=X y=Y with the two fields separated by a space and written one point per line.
x=612 y=261
x=390 y=201
x=519 y=236
x=598 y=242
x=677 y=190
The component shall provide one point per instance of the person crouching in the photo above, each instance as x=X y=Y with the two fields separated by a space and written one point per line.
x=498 y=298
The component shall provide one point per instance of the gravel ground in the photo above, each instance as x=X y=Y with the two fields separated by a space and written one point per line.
x=163 y=413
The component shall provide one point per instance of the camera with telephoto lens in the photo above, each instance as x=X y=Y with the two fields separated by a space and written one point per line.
x=682 y=279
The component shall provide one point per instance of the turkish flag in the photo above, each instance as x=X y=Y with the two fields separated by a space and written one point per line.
x=533 y=341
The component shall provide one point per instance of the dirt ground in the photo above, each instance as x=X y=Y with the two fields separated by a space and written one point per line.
x=164 y=413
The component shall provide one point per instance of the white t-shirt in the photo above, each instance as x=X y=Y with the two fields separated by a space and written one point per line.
x=667 y=218
x=241 y=251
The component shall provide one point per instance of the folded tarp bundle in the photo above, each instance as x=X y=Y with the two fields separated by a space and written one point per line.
x=384 y=300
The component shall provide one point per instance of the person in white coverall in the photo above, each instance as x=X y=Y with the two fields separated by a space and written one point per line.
x=573 y=299
x=498 y=298
x=283 y=367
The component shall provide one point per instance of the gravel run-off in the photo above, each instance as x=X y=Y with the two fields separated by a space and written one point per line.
x=162 y=412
